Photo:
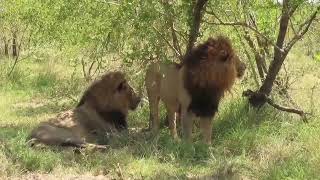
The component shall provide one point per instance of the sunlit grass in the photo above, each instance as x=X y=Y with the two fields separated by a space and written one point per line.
x=247 y=143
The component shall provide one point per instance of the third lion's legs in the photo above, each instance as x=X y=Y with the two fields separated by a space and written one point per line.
x=187 y=124
x=171 y=109
x=206 y=129
x=154 y=116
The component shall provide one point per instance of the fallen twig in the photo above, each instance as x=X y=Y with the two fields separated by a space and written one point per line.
x=258 y=99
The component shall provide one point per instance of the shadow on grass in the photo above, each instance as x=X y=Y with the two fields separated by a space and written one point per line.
x=234 y=132
x=8 y=132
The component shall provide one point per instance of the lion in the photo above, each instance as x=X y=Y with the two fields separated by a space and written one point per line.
x=194 y=88
x=102 y=109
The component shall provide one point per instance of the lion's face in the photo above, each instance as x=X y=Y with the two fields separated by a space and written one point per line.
x=125 y=94
x=111 y=93
x=214 y=64
x=228 y=62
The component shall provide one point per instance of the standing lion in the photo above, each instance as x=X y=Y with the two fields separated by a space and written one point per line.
x=103 y=108
x=195 y=88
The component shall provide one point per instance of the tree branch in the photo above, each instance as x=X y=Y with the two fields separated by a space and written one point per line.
x=303 y=29
x=256 y=55
x=169 y=17
x=301 y=113
x=258 y=98
x=175 y=40
x=254 y=73
x=244 y=24
x=169 y=44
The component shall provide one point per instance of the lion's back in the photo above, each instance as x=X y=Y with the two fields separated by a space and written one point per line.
x=163 y=79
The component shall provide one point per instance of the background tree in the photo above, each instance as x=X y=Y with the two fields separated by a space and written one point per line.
x=295 y=21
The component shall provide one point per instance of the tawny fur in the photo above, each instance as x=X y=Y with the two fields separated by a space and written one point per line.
x=195 y=87
x=103 y=108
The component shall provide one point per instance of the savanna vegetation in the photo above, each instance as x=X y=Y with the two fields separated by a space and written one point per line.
x=267 y=127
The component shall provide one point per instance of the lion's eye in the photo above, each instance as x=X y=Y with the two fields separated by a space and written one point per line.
x=122 y=86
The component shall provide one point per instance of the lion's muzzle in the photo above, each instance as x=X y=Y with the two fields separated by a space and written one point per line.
x=241 y=68
x=135 y=102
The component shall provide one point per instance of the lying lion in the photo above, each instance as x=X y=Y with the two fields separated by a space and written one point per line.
x=195 y=88
x=103 y=108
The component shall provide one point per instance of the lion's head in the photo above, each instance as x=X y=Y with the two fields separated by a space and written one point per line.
x=214 y=63
x=111 y=93
x=211 y=69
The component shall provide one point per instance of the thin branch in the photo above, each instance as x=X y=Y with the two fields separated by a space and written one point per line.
x=301 y=113
x=243 y=24
x=261 y=98
x=169 y=44
x=91 y=66
x=256 y=54
x=183 y=35
x=303 y=29
x=83 y=68
x=249 y=59
x=18 y=60
x=14 y=65
x=169 y=16
x=292 y=27
x=175 y=40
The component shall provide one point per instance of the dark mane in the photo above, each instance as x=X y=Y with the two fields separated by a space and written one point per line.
x=205 y=101
x=205 y=97
x=114 y=117
x=197 y=53
x=83 y=98
x=117 y=118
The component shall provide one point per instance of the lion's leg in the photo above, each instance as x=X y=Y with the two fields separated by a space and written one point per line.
x=172 y=121
x=187 y=124
x=206 y=129
x=51 y=135
x=154 y=115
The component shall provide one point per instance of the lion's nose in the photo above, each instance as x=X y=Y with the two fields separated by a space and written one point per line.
x=241 y=70
x=135 y=103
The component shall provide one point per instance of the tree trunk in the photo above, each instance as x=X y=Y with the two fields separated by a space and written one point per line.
x=259 y=98
x=195 y=27
x=14 y=45
x=6 y=47
x=279 y=56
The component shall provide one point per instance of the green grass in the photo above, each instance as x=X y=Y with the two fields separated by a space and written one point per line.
x=247 y=143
